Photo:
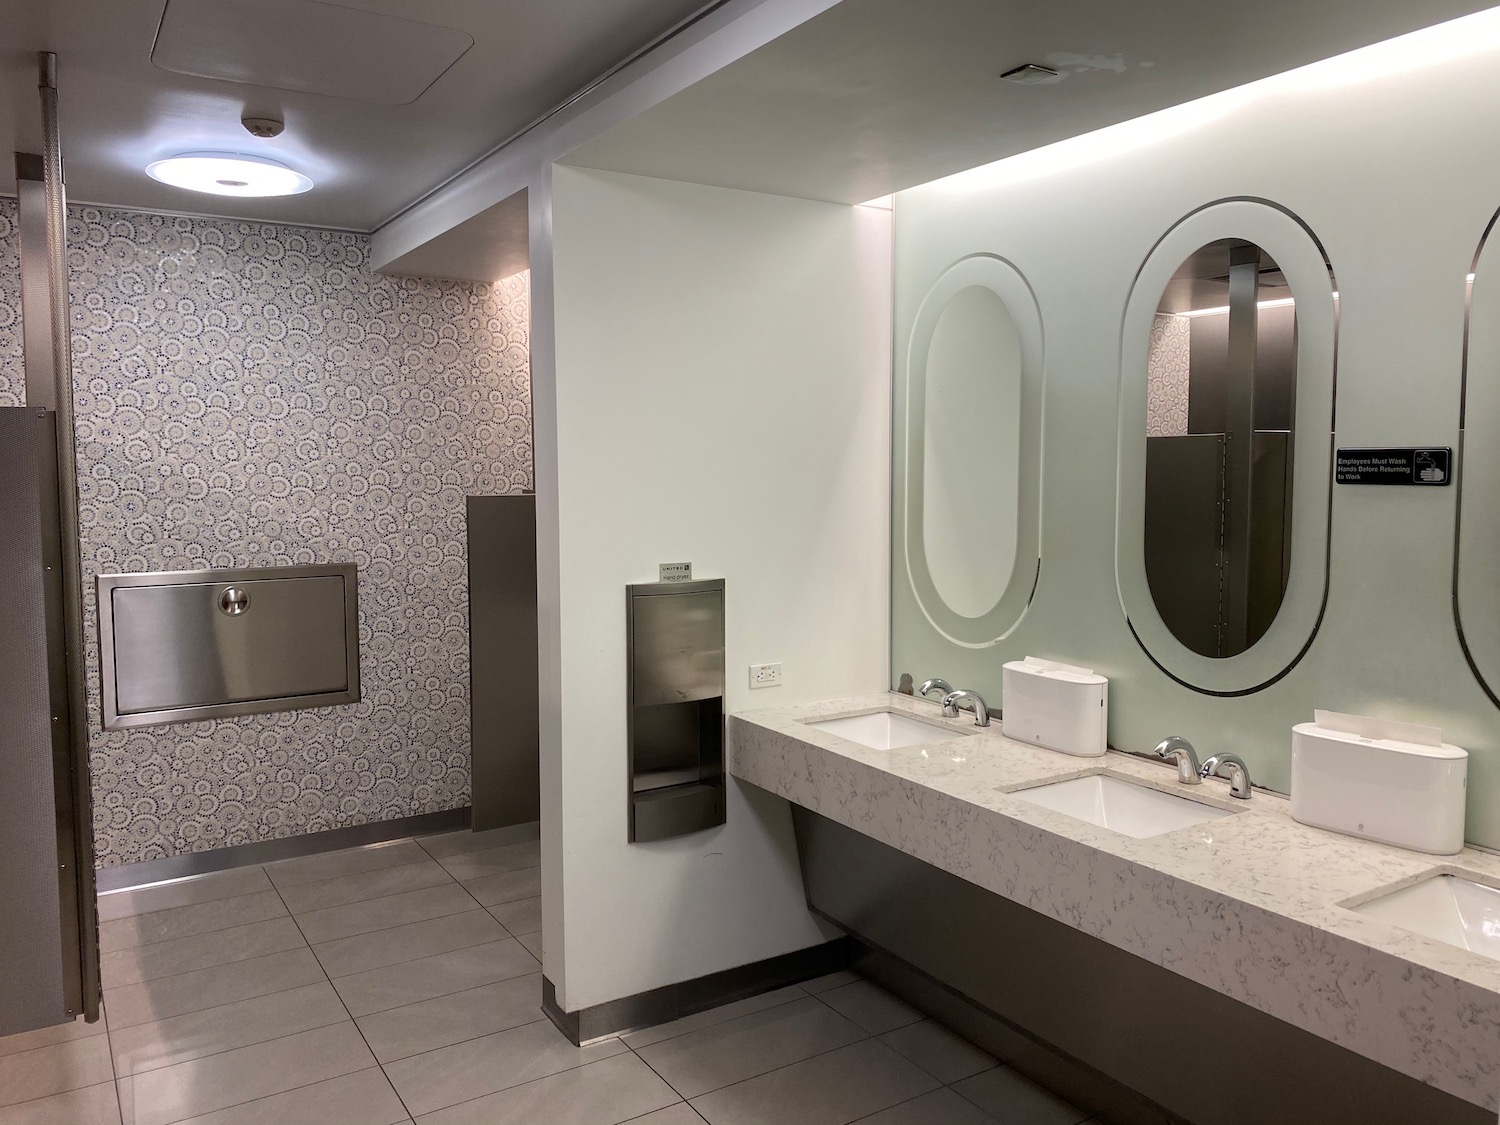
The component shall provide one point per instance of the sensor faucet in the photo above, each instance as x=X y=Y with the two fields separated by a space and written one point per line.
x=955 y=701
x=932 y=685
x=1177 y=749
x=1233 y=767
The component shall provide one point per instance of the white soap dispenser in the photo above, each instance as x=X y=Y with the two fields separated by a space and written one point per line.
x=1058 y=706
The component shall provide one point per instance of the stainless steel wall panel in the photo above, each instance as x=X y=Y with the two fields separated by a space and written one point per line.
x=503 y=691
x=200 y=644
x=38 y=927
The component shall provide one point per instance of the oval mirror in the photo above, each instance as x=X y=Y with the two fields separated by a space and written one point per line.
x=969 y=404
x=1228 y=436
x=1476 y=579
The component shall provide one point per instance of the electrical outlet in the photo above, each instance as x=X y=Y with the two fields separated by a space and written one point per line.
x=765 y=675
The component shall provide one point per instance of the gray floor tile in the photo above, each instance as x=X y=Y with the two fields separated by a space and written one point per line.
x=201 y=1086
x=91 y=1105
x=206 y=988
x=870 y=1006
x=384 y=913
x=532 y=942
x=47 y=1036
x=733 y=1010
x=753 y=1044
x=202 y=951
x=831 y=1089
x=1017 y=1100
x=147 y=1046
x=524 y=916
x=362 y=952
x=444 y=1020
x=602 y=1093
x=832 y=980
x=476 y=1067
x=44 y=1071
x=350 y=861
x=413 y=981
x=679 y=1114
x=183 y=892
x=185 y=921
x=941 y=1107
x=363 y=885
x=938 y=1051
x=361 y=1098
x=445 y=844
x=492 y=861
x=507 y=886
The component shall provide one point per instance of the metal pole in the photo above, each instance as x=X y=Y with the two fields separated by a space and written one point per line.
x=1239 y=427
x=72 y=566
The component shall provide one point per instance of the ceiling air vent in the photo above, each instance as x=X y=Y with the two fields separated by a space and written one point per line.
x=1030 y=74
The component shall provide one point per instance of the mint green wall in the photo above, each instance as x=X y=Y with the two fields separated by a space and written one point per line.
x=1398 y=180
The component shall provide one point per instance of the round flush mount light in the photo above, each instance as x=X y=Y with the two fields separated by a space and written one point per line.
x=229 y=173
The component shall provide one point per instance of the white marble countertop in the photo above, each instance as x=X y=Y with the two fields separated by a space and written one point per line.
x=1248 y=904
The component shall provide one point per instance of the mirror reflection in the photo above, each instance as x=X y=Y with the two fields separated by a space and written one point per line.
x=971 y=451
x=1222 y=382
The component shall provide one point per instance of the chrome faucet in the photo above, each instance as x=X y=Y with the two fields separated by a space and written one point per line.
x=956 y=701
x=1233 y=767
x=1178 y=749
x=932 y=685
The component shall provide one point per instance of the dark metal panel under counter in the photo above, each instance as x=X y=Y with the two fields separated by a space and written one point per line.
x=675 y=707
x=206 y=644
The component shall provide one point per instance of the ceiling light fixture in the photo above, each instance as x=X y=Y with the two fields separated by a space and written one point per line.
x=229 y=173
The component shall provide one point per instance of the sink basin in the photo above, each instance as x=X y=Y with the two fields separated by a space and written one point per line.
x=1446 y=907
x=1119 y=805
x=887 y=730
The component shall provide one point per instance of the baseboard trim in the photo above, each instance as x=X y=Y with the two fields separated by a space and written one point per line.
x=673 y=1001
x=130 y=875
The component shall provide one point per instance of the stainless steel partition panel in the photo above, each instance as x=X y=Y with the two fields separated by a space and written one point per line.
x=1185 y=535
x=504 y=699
x=675 y=707
x=209 y=643
x=70 y=558
x=39 y=927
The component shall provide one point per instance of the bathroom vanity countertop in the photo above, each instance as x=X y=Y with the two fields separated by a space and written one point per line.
x=1248 y=905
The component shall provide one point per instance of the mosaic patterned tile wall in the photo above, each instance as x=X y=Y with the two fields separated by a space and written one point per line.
x=252 y=395
x=1167 y=376
x=12 y=374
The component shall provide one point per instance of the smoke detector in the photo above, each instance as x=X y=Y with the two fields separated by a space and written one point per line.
x=1031 y=74
x=263 y=127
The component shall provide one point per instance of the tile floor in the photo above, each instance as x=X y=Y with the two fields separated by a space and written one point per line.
x=400 y=983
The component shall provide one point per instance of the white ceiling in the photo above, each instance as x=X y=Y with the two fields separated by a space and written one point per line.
x=875 y=96
x=120 y=112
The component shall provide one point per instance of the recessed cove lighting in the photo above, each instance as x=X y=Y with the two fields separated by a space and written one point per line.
x=1277 y=303
x=229 y=173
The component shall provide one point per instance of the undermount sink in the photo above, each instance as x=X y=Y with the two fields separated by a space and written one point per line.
x=1446 y=907
x=887 y=730
x=1119 y=805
